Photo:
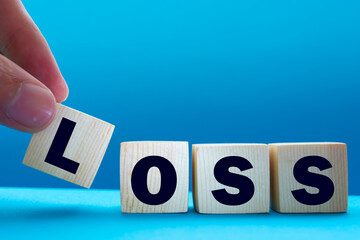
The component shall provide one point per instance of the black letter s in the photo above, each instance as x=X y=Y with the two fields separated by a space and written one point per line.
x=243 y=183
x=323 y=183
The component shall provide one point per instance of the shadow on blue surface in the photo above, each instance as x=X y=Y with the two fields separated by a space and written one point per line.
x=61 y=213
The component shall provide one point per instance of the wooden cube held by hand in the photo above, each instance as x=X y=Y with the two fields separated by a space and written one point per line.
x=71 y=147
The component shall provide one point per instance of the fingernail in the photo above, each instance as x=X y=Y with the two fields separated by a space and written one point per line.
x=66 y=92
x=32 y=106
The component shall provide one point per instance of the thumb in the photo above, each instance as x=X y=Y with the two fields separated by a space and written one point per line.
x=25 y=103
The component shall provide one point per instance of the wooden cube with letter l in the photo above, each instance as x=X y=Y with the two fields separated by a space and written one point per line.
x=309 y=177
x=231 y=178
x=71 y=147
x=154 y=177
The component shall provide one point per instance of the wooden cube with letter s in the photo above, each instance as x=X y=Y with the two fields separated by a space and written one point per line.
x=231 y=178
x=71 y=147
x=309 y=177
x=154 y=177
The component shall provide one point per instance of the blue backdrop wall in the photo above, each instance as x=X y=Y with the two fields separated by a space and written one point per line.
x=203 y=72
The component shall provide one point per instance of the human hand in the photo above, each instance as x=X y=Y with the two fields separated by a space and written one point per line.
x=30 y=80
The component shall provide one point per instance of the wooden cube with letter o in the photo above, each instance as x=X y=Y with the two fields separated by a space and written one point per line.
x=154 y=177
x=309 y=177
x=231 y=178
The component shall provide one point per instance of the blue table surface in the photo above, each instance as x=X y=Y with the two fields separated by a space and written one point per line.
x=88 y=214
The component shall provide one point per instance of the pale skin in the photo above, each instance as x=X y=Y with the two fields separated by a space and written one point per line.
x=30 y=80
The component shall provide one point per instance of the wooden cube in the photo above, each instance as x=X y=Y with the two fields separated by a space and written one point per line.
x=231 y=178
x=154 y=177
x=308 y=177
x=71 y=147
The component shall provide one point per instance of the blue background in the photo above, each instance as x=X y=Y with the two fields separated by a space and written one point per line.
x=203 y=72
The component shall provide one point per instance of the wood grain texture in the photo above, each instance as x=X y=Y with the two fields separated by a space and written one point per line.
x=177 y=153
x=283 y=157
x=204 y=158
x=86 y=146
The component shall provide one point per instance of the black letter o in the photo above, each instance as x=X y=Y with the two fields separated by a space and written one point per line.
x=139 y=180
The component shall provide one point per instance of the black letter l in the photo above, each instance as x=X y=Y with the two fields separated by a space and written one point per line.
x=58 y=146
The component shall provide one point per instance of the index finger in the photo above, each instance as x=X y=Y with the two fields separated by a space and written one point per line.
x=22 y=42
